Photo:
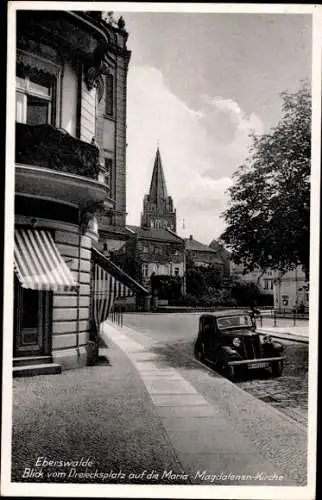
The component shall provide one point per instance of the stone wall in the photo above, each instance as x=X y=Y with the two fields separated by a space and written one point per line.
x=71 y=310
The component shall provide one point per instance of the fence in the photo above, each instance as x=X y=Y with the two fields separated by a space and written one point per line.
x=116 y=316
x=276 y=314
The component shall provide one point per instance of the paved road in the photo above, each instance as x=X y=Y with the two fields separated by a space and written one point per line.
x=175 y=327
x=288 y=393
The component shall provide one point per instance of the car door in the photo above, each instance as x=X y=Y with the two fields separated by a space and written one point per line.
x=208 y=335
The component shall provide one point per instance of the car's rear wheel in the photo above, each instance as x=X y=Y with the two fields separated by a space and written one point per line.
x=277 y=368
x=199 y=352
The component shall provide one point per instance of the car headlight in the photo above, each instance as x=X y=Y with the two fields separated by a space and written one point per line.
x=267 y=339
x=236 y=342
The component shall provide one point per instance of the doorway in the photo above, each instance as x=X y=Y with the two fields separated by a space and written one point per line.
x=32 y=321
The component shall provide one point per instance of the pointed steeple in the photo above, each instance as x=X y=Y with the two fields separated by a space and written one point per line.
x=158 y=187
x=158 y=211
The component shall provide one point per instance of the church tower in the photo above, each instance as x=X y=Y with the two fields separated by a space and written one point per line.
x=158 y=211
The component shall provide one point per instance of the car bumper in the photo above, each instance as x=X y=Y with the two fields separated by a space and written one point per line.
x=256 y=361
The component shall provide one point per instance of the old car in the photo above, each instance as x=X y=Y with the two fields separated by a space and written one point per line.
x=229 y=342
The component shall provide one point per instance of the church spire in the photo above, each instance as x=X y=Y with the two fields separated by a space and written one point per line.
x=158 y=211
x=158 y=187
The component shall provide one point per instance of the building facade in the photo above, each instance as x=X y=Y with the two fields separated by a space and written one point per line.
x=201 y=255
x=71 y=70
x=291 y=290
x=263 y=279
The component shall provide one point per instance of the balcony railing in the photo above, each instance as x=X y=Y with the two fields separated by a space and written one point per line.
x=48 y=147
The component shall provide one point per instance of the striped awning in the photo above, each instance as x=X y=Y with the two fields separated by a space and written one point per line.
x=38 y=263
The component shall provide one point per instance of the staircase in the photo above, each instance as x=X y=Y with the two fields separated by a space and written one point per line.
x=28 y=366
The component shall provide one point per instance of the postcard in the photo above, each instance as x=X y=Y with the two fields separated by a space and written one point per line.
x=161 y=250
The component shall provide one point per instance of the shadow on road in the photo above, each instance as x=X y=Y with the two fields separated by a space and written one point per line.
x=170 y=356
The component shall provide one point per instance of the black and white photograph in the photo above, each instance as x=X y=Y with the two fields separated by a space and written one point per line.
x=161 y=298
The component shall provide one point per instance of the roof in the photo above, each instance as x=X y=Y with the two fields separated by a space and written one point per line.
x=158 y=187
x=156 y=234
x=117 y=272
x=192 y=244
x=219 y=248
x=108 y=228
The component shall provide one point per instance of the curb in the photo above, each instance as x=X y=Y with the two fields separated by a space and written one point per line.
x=284 y=335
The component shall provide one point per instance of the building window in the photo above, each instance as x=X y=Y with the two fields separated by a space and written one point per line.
x=268 y=284
x=176 y=271
x=108 y=162
x=109 y=94
x=145 y=249
x=35 y=97
x=145 y=270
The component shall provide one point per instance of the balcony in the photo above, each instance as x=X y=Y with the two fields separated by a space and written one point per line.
x=52 y=164
x=48 y=147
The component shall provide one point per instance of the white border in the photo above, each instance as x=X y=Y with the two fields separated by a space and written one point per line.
x=160 y=491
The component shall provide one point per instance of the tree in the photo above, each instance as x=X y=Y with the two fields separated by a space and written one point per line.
x=268 y=218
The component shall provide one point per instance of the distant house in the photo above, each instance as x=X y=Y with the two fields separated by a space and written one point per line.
x=201 y=255
x=291 y=290
x=158 y=252
x=223 y=254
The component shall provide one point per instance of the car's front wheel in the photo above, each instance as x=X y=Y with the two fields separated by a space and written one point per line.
x=277 y=368
x=229 y=371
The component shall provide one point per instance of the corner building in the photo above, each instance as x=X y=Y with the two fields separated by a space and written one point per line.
x=71 y=72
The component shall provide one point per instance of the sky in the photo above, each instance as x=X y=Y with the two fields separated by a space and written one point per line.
x=198 y=84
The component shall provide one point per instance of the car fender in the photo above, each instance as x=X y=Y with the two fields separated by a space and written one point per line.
x=229 y=352
x=278 y=346
x=273 y=348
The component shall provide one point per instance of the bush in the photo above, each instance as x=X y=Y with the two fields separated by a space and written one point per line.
x=185 y=300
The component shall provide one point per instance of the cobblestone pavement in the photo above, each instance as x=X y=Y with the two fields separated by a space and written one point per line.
x=288 y=393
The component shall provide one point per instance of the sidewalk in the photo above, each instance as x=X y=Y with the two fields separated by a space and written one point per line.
x=102 y=413
x=301 y=328
x=300 y=333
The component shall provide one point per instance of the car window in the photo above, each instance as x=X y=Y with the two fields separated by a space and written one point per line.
x=207 y=325
x=234 y=322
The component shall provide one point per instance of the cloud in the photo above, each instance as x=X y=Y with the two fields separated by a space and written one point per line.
x=200 y=149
